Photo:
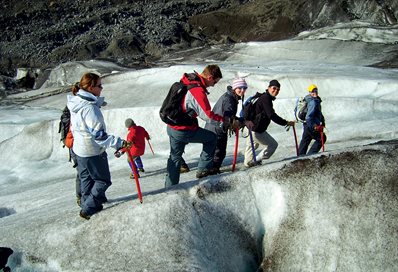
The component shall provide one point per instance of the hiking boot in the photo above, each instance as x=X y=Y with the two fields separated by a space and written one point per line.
x=83 y=215
x=207 y=172
x=184 y=168
x=252 y=163
x=215 y=171
x=141 y=170
x=202 y=174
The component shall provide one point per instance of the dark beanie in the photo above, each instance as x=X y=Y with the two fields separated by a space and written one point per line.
x=129 y=122
x=275 y=83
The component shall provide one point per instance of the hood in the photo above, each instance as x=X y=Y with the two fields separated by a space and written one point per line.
x=83 y=98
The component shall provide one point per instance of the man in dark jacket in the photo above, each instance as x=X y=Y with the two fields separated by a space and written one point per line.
x=196 y=104
x=226 y=106
x=264 y=114
x=314 y=123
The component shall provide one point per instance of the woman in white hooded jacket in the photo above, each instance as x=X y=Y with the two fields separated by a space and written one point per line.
x=90 y=142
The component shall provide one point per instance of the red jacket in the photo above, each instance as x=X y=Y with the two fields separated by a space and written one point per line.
x=137 y=136
x=196 y=100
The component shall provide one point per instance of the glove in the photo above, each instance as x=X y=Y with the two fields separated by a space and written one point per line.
x=126 y=145
x=249 y=124
x=290 y=123
x=318 y=128
x=235 y=124
x=226 y=123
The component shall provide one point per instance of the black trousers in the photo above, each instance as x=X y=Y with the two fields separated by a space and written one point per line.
x=221 y=149
x=310 y=134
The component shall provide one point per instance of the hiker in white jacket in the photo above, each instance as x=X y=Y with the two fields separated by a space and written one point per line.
x=90 y=143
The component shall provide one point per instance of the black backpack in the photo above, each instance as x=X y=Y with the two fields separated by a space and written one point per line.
x=171 y=111
x=64 y=124
x=249 y=109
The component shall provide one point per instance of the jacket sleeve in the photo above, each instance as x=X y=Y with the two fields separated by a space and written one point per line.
x=311 y=118
x=96 y=127
x=272 y=115
x=229 y=108
x=196 y=99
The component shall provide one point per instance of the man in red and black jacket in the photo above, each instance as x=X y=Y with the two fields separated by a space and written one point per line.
x=196 y=105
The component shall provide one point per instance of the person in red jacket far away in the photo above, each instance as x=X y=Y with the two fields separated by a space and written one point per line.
x=137 y=136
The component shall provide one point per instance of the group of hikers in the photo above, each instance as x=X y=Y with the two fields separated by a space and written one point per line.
x=90 y=138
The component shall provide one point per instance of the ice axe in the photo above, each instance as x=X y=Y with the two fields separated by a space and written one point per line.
x=134 y=168
x=295 y=139
x=236 y=149
x=149 y=143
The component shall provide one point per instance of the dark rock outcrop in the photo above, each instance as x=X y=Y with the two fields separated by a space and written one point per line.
x=43 y=34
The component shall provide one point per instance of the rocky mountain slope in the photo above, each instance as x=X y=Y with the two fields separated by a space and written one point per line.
x=42 y=33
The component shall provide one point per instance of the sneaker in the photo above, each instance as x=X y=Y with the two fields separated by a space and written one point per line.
x=78 y=201
x=141 y=170
x=83 y=215
x=184 y=168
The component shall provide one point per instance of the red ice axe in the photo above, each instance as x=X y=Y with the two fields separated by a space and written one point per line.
x=134 y=168
x=236 y=149
x=150 y=146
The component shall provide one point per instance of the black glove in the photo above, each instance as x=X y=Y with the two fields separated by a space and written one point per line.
x=249 y=125
x=235 y=124
x=226 y=123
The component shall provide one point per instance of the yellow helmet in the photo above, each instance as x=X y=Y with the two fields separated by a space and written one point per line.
x=312 y=87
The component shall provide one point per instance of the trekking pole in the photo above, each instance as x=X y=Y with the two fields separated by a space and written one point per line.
x=134 y=168
x=295 y=139
x=252 y=144
x=236 y=149
x=150 y=146
x=322 y=140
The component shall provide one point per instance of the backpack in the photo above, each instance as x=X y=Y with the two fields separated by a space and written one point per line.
x=171 y=111
x=300 y=110
x=64 y=129
x=249 y=110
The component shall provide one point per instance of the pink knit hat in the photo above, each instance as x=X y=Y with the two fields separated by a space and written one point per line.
x=239 y=83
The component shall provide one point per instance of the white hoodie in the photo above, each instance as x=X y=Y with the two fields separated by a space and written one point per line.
x=88 y=126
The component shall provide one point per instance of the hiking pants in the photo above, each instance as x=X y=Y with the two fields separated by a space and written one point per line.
x=95 y=178
x=178 y=140
x=137 y=161
x=221 y=149
x=74 y=159
x=308 y=135
x=263 y=138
